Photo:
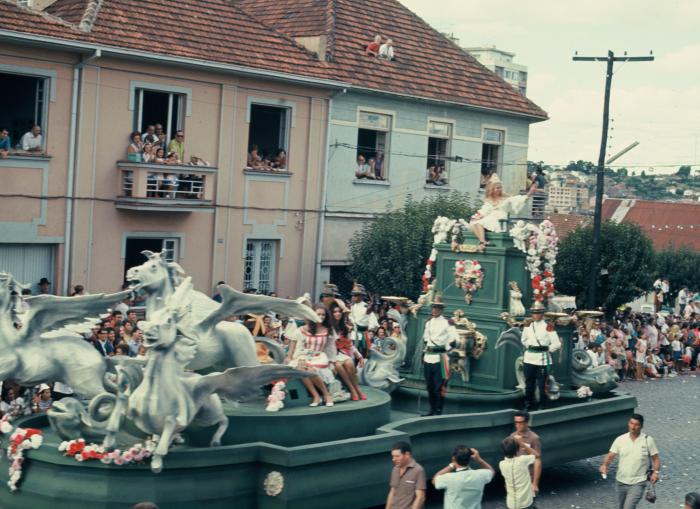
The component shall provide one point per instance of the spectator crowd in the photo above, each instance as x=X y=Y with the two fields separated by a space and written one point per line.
x=646 y=346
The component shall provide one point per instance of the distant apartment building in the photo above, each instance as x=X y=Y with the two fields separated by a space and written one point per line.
x=566 y=197
x=501 y=62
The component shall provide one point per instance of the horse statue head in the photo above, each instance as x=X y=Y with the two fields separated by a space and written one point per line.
x=161 y=331
x=157 y=277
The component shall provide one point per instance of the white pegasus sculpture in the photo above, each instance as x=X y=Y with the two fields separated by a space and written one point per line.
x=30 y=358
x=169 y=399
x=220 y=344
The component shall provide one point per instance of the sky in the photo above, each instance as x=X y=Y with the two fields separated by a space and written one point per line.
x=655 y=103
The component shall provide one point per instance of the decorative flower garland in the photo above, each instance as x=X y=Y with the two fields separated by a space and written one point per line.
x=275 y=401
x=457 y=227
x=21 y=439
x=540 y=244
x=81 y=451
x=469 y=277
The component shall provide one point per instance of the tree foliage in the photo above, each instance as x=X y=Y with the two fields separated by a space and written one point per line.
x=388 y=255
x=684 y=171
x=680 y=266
x=625 y=252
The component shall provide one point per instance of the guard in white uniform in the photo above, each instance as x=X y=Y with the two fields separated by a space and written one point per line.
x=438 y=336
x=359 y=315
x=539 y=342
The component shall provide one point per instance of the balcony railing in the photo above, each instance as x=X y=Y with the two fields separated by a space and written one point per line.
x=145 y=186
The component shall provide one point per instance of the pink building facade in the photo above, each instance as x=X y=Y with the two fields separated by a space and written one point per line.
x=80 y=212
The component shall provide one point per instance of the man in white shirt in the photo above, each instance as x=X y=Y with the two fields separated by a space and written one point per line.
x=438 y=336
x=31 y=141
x=634 y=449
x=386 y=50
x=464 y=487
x=515 y=469
x=539 y=342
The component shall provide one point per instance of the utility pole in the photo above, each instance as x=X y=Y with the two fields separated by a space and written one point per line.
x=600 y=172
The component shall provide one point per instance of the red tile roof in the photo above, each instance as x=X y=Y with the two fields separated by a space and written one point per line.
x=427 y=64
x=566 y=223
x=207 y=30
x=674 y=223
x=260 y=34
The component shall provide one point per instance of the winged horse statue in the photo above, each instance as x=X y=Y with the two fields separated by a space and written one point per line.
x=169 y=399
x=220 y=344
x=30 y=357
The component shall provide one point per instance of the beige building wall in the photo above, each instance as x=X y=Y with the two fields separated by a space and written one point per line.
x=249 y=205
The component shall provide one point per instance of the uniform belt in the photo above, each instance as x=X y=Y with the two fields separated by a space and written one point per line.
x=538 y=349
x=361 y=328
x=435 y=349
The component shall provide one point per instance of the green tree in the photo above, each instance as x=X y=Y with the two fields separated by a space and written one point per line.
x=389 y=254
x=626 y=253
x=684 y=171
x=622 y=172
x=680 y=266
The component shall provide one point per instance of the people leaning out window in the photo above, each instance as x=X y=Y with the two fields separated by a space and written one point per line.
x=32 y=140
x=135 y=148
x=363 y=170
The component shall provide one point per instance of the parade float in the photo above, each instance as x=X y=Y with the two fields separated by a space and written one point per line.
x=189 y=426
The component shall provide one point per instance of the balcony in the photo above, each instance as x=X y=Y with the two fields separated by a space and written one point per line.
x=165 y=188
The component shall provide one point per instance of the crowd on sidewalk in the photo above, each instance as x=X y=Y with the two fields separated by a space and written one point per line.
x=642 y=346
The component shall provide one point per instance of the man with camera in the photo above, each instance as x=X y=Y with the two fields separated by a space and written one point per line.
x=464 y=486
x=635 y=450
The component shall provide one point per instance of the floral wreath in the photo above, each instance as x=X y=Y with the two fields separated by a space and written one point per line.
x=469 y=277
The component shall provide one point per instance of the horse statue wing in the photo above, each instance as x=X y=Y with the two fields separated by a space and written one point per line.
x=47 y=312
x=243 y=383
x=511 y=337
x=237 y=303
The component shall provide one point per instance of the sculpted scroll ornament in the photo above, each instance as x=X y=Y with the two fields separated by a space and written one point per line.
x=274 y=483
x=471 y=345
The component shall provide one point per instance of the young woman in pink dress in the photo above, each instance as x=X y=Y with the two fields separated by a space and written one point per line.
x=345 y=352
x=310 y=349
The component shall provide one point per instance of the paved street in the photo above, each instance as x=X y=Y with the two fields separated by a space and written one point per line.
x=670 y=408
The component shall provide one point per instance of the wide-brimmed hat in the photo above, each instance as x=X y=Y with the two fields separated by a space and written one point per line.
x=537 y=307
x=44 y=281
x=42 y=388
x=437 y=301
x=329 y=290
x=358 y=289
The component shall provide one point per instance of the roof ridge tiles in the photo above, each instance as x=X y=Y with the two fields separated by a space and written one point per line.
x=89 y=17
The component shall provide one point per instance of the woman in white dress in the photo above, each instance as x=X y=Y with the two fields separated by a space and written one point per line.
x=496 y=207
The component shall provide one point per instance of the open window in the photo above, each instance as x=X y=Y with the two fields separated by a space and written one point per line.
x=269 y=132
x=169 y=247
x=260 y=265
x=157 y=107
x=24 y=104
x=439 y=134
x=372 y=146
x=491 y=153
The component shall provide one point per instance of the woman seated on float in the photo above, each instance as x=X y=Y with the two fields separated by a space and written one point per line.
x=496 y=208
x=309 y=349
x=345 y=352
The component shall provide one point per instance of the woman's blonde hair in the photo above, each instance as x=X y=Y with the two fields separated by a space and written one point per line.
x=494 y=182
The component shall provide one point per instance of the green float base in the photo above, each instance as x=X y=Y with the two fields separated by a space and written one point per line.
x=329 y=457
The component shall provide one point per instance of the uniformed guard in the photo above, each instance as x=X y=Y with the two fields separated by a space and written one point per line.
x=360 y=317
x=539 y=342
x=438 y=336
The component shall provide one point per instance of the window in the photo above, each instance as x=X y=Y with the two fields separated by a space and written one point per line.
x=439 y=134
x=269 y=130
x=490 y=153
x=169 y=247
x=260 y=265
x=372 y=145
x=27 y=107
x=155 y=107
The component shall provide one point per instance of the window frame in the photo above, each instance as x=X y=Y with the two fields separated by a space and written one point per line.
x=448 y=145
x=179 y=121
x=288 y=123
x=390 y=116
x=498 y=167
x=48 y=78
x=256 y=263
